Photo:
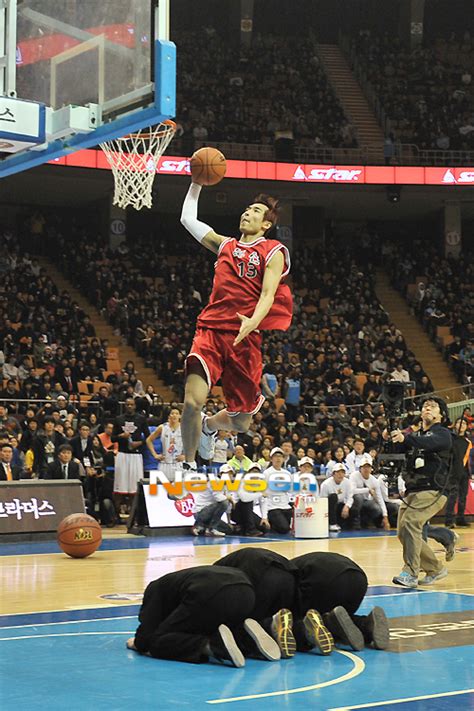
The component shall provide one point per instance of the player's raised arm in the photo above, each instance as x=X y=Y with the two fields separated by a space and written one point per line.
x=204 y=234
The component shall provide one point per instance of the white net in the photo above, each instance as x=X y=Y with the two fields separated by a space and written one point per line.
x=134 y=159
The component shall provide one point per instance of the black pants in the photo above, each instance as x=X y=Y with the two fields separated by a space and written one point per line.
x=334 y=510
x=280 y=520
x=392 y=511
x=347 y=590
x=244 y=515
x=366 y=511
x=183 y=634
x=101 y=490
x=459 y=494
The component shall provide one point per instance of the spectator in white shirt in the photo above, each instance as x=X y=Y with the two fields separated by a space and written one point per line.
x=337 y=489
x=305 y=468
x=355 y=457
x=338 y=455
x=392 y=505
x=222 y=448
x=209 y=508
x=368 y=500
x=244 y=514
x=400 y=374
x=280 y=510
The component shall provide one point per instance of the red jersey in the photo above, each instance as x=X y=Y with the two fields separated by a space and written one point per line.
x=238 y=282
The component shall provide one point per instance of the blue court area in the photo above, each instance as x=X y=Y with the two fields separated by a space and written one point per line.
x=77 y=660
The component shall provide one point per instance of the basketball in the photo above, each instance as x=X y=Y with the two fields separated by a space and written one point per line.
x=208 y=166
x=79 y=535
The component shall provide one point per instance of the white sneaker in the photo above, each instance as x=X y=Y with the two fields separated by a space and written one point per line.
x=334 y=528
x=197 y=530
x=214 y=532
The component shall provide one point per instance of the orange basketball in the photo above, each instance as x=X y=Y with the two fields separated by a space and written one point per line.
x=208 y=166
x=79 y=535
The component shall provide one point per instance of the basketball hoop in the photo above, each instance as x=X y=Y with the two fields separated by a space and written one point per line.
x=134 y=159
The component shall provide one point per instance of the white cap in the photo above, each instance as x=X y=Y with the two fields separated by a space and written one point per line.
x=305 y=460
x=225 y=468
x=255 y=465
x=366 y=459
x=277 y=450
x=339 y=467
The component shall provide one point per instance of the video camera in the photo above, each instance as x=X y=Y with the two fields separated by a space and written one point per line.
x=390 y=464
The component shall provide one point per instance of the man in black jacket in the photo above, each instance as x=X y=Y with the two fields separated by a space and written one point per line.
x=426 y=482
x=274 y=579
x=335 y=586
x=46 y=447
x=9 y=471
x=459 y=482
x=191 y=616
x=64 y=468
x=82 y=445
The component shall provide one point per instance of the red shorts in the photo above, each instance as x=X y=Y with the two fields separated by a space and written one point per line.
x=239 y=367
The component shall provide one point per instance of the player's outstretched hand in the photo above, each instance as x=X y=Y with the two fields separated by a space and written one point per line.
x=246 y=327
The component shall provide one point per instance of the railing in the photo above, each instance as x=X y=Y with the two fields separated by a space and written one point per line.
x=457 y=399
x=403 y=154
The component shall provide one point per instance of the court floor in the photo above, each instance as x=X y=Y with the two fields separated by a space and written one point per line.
x=64 y=623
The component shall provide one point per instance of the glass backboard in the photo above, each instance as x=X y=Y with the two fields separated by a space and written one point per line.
x=113 y=55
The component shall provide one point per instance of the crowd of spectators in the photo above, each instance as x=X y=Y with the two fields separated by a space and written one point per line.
x=323 y=378
x=338 y=350
x=445 y=297
x=275 y=90
x=48 y=347
x=427 y=92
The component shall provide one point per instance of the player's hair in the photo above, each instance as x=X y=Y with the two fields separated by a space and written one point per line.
x=273 y=206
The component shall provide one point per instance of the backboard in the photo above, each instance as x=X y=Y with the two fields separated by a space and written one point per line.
x=74 y=73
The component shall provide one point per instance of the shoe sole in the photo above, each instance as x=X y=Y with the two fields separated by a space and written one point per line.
x=379 y=629
x=266 y=645
x=404 y=585
x=451 y=549
x=283 y=633
x=317 y=634
x=236 y=656
x=349 y=633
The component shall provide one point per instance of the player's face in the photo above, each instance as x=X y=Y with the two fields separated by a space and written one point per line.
x=174 y=417
x=252 y=220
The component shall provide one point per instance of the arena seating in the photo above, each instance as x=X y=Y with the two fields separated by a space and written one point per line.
x=250 y=98
x=427 y=93
x=440 y=291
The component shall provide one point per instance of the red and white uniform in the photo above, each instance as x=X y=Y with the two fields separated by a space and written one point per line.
x=238 y=282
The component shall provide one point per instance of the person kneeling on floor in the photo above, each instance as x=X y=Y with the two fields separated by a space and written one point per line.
x=192 y=616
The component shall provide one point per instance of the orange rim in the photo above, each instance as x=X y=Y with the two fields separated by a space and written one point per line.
x=170 y=126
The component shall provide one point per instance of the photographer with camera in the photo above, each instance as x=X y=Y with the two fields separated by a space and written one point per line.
x=426 y=479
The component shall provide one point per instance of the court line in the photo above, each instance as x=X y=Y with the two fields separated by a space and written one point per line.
x=412 y=592
x=358 y=668
x=402 y=701
x=60 y=634
x=69 y=622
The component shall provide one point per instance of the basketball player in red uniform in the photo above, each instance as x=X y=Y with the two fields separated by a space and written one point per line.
x=248 y=296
